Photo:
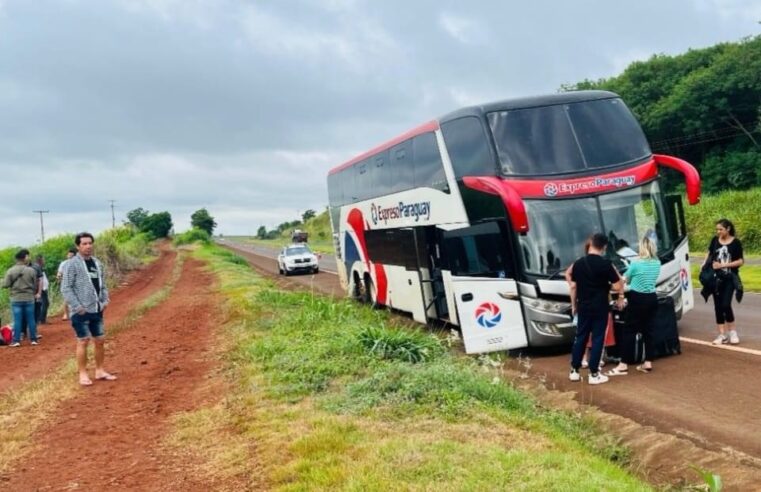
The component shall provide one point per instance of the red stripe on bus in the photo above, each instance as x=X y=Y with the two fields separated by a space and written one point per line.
x=382 y=284
x=560 y=188
x=431 y=126
x=357 y=223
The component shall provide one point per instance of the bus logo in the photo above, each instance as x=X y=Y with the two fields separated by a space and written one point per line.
x=488 y=315
x=550 y=189
x=684 y=276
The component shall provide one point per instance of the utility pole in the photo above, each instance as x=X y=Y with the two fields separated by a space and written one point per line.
x=113 y=217
x=42 y=224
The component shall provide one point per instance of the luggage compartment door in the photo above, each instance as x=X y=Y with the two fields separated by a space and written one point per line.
x=485 y=290
x=490 y=314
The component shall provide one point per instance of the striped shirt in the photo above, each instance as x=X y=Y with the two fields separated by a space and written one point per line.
x=77 y=287
x=643 y=274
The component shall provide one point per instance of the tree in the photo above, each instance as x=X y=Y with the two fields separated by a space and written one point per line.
x=157 y=225
x=137 y=216
x=202 y=220
x=308 y=215
x=261 y=233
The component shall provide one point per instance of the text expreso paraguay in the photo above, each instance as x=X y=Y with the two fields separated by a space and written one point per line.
x=417 y=210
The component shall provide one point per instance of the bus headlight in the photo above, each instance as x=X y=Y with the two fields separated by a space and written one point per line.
x=547 y=306
x=552 y=329
x=669 y=285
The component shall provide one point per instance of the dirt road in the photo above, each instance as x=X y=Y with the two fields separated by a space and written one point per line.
x=707 y=396
x=109 y=436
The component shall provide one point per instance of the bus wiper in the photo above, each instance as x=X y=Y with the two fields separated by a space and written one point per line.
x=554 y=274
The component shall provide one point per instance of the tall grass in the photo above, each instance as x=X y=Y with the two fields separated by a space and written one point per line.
x=341 y=397
x=743 y=208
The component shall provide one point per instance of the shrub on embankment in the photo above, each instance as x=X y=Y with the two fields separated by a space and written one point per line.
x=743 y=208
x=194 y=235
x=121 y=249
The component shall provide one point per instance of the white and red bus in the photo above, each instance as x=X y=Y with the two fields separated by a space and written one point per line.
x=472 y=218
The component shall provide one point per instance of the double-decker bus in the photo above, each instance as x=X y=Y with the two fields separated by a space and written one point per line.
x=473 y=218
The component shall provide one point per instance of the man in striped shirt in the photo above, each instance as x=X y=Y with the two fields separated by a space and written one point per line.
x=84 y=289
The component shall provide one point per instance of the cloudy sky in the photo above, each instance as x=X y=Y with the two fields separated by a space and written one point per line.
x=242 y=106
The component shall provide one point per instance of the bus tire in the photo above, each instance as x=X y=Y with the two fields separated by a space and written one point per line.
x=357 y=293
x=371 y=293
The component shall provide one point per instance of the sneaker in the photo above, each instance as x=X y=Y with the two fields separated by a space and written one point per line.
x=574 y=375
x=720 y=339
x=15 y=344
x=35 y=342
x=600 y=378
x=584 y=363
x=733 y=338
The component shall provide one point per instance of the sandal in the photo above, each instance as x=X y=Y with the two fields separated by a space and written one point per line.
x=106 y=377
x=85 y=381
x=617 y=372
x=646 y=370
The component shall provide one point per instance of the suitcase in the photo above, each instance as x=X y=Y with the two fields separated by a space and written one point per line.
x=665 y=332
x=630 y=346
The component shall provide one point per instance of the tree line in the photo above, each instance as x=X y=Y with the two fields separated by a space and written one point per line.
x=263 y=233
x=159 y=225
x=703 y=106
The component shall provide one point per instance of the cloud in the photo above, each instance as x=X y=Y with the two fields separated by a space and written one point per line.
x=462 y=29
x=242 y=107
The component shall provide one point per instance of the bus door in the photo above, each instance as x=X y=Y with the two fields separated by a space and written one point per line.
x=485 y=289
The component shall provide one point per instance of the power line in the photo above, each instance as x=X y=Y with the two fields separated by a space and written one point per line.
x=42 y=224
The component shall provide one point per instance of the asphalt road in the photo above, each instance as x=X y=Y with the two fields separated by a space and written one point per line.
x=709 y=395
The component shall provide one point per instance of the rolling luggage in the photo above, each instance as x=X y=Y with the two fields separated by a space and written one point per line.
x=630 y=345
x=665 y=332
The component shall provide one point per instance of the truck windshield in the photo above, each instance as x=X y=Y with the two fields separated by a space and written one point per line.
x=565 y=138
x=559 y=228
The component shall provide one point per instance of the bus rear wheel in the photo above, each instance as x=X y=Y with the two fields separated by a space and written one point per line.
x=370 y=293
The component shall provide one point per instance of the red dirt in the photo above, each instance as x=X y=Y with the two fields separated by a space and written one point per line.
x=28 y=363
x=109 y=436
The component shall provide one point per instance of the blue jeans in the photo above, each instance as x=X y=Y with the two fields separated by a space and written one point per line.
x=23 y=311
x=589 y=324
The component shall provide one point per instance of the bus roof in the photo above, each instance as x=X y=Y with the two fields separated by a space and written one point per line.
x=431 y=126
x=529 y=102
x=479 y=110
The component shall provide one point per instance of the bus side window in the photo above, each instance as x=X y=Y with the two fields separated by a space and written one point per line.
x=468 y=147
x=429 y=170
x=402 y=167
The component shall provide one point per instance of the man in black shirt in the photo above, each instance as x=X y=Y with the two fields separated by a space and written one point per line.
x=592 y=277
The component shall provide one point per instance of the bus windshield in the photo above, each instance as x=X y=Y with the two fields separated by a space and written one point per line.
x=559 y=228
x=567 y=138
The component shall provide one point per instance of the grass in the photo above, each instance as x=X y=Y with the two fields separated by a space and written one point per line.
x=750 y=275
x=743 y=208
x=24 y=409
x=317 y=404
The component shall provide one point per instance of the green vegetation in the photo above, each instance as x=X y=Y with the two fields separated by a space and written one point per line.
x=318 y=227
x=338 y=396
x=156 y=225
x=703 y=106
x=202 y=220
x=192 y=236
x=743 y=208
x=120 y=249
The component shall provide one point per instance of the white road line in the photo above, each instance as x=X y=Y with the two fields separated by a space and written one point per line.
x=733 y=348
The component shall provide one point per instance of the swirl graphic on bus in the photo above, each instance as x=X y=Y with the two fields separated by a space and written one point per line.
x=488 y=315
x=684 y=276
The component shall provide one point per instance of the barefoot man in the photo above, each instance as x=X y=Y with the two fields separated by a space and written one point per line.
x=84 y=289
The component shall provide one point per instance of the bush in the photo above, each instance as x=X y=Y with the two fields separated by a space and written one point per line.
x=743 y=208
x=400 y=344
x=192 y=236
